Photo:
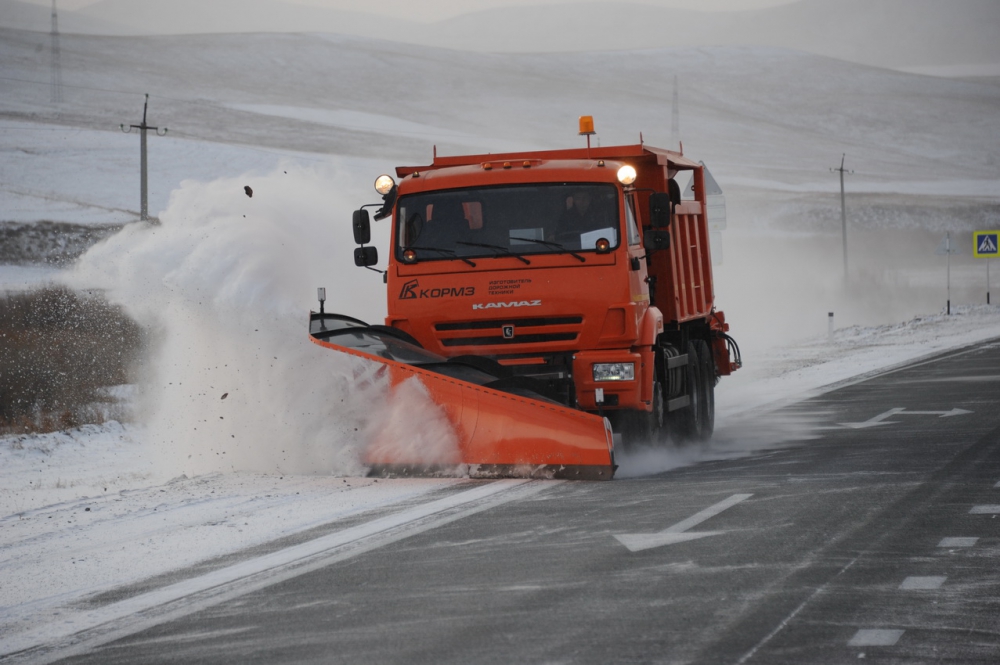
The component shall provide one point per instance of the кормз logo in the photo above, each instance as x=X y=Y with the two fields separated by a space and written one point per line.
x=411 y=290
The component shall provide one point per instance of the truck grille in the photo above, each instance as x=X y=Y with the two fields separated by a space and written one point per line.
x=526 y=331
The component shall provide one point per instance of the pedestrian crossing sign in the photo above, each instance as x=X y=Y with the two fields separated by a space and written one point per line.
x=985 y=245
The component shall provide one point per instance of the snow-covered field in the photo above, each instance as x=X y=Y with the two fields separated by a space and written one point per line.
x=307 y=122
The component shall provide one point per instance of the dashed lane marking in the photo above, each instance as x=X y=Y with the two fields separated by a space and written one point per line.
x=784 y=622
x=957 y=542
x=985 y=510
x=876 y=637
x=923 y=583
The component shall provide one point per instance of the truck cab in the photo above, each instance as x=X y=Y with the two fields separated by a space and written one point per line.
x=580 y=270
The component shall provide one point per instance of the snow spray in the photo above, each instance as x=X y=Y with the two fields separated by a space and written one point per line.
x=736 y=435
x=224 y=284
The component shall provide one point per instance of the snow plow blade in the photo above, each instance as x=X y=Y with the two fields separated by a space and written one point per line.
x=498 y=425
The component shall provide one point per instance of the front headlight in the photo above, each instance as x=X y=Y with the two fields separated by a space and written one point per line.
x=614 y=371
x=626 y=175
x=384 y=184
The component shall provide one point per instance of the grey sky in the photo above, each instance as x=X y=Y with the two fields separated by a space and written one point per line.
x=431 y=10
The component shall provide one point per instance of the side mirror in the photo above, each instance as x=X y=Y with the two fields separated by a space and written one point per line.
x=362 y=227
x=659 y=209
x=365 y=256
x=655 y=239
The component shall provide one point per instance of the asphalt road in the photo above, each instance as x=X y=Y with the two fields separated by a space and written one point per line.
x=877 y=539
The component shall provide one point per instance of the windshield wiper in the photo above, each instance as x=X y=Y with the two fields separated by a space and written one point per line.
x=553 y=244
x=496 y=247
x=446 y=252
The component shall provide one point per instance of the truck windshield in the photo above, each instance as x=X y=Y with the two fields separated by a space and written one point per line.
x=508 y=220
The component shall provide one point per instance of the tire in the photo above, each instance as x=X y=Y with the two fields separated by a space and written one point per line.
x=691 y=419
x=642 y=427
x=708 y=380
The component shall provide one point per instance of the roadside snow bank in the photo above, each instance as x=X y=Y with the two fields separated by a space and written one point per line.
x=91 y=540
x=57 y=467
x=792 y=373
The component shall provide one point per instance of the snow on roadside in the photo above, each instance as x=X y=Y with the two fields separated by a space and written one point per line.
x=793 y=373
x=90 y=510
x=23 y=278
x=746 y=422
x=86 y=511
x=49 y=469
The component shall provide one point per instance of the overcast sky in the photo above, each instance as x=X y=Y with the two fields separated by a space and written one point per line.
x=430 y=10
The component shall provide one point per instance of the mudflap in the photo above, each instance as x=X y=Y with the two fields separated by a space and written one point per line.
x=499 y=434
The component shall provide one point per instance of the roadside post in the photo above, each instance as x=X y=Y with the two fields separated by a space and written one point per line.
x=946 y=248
x=985 y=246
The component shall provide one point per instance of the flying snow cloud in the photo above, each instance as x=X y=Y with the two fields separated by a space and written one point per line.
x=224 y=284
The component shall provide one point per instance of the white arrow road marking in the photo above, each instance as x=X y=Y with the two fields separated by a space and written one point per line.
x=637 y=542
x=943 y=414
x=876 y=421
x=881 y=419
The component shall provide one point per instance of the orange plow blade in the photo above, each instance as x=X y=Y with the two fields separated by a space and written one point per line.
x=480 y=422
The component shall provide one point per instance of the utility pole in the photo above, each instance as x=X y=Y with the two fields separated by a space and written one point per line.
x=948 y=249
x=843 y=209
x=675 y=117
x=56 y=75
x=143 y=189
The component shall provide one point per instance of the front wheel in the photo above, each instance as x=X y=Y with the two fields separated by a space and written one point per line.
x=643 y=427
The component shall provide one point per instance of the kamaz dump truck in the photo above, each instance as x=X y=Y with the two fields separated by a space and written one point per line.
x=556 y=304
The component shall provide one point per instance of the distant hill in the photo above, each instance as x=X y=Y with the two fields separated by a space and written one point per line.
x=27 y=16
x=890 y=33
x=885 y=33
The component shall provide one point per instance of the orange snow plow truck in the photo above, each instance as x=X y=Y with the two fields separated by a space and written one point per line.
x=555 y=305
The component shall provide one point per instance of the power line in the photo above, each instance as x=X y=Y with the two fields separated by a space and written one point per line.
x=278 y=152
x=67 y=85
x=185 y=100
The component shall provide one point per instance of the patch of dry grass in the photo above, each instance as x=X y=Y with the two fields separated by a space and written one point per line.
x=60 y=351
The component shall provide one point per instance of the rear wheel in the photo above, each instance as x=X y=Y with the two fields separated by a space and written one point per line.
x=707 y=402
x=696 y=422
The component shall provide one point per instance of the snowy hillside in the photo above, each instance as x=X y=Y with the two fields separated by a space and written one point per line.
x=888 y=33
x=769 y=123
x=761 y=118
